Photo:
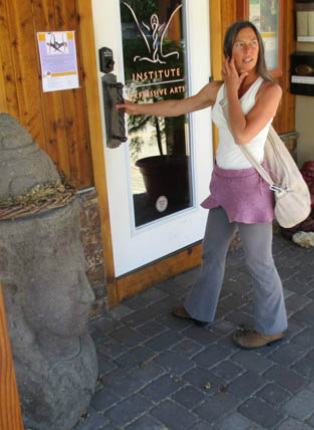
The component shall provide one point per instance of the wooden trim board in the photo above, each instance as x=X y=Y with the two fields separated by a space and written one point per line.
x=10 y=410
x=155 y=273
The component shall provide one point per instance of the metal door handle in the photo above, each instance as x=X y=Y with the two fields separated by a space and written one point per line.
x=115 y=122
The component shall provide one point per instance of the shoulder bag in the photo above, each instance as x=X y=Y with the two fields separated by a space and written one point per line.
x=292 y=195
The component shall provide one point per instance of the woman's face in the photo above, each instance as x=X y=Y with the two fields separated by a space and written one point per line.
x=245 y=50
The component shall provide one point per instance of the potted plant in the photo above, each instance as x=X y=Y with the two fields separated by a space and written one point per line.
x=165 y=174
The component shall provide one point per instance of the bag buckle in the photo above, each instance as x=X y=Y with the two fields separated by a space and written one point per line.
x=275 y=187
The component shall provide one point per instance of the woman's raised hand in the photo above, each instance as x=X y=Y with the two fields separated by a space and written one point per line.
x=231 y=76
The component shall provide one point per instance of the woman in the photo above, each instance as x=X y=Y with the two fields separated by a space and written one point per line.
x=243 y=108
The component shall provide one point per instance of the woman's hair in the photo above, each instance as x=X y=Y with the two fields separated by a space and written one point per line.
x=229 y=41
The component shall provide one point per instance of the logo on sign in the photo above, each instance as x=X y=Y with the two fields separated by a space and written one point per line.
x=158 y=32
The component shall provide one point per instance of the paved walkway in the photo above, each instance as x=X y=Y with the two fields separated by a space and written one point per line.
x=158 y=372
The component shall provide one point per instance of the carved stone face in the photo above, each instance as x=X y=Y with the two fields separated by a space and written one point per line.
x=58 y=296
x=44 y=259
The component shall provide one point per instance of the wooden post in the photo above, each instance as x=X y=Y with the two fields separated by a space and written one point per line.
x=89 y=64
x=10 y=411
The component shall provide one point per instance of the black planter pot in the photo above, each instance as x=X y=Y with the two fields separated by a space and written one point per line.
x=166 y=176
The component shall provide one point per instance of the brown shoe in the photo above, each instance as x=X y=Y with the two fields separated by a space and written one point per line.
x=253 y=339
x=180 y=312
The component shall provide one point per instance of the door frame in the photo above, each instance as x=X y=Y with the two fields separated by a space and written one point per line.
x=119 y=288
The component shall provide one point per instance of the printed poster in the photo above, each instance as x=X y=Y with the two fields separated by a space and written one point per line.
x=264 y=15
x=57 y=52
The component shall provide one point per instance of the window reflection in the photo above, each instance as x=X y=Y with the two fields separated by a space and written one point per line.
x=154 y=66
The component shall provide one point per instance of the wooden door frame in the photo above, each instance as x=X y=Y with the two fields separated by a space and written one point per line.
x=216 y=52
x=10 y=410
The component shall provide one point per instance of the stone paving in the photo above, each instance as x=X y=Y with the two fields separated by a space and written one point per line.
x=158 y=372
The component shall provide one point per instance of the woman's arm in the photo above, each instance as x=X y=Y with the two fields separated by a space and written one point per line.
x=245 y=128
x=203 y=99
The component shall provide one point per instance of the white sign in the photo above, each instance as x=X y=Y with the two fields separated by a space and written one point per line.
x=57 y=52
x=161 y=203
x=305 y=38
x=309 y=80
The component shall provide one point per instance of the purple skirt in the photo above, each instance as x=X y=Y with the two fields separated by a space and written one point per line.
x=243 y=194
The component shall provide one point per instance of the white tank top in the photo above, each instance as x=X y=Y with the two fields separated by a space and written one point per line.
x=229 y=155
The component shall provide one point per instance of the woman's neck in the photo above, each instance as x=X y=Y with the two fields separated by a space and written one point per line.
x=247 y=82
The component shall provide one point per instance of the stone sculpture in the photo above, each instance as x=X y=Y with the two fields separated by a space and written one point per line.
x=46 y=291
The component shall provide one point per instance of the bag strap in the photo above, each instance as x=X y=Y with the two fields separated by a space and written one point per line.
x=264 y=174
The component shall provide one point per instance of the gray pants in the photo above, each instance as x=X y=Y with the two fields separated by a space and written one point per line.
x=269 y=307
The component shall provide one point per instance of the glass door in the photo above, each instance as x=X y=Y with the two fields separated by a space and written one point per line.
x=154 y=53
x=157 y=179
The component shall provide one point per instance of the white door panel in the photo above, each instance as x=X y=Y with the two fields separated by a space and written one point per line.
x=137 y=245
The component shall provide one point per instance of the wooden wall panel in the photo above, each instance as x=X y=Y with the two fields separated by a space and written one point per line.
x=75 y=111
x=284 y=121
x=10 y=411
x=25 y=67
x=8 y=89
x=216 y=53
x=289 y=48
x=228 y=14
x=222 y=15
x=53 y=111
x=57 y=120
x=215 y=38
x=3 y=105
